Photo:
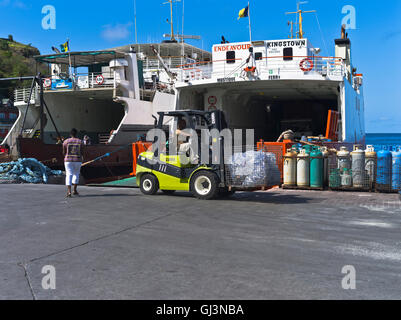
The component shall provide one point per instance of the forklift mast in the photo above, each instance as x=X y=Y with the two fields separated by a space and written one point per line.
x=214 y=119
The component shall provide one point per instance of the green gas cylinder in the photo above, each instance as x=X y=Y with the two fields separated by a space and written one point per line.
x=316 y=168
x=335 y=179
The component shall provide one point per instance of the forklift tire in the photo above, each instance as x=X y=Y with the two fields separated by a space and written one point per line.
x=168 y=192
x=204 y=185
x=149 y=184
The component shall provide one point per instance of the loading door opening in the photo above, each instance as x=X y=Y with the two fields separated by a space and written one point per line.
x=270 y=117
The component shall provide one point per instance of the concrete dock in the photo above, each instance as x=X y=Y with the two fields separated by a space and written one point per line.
x=114 y=243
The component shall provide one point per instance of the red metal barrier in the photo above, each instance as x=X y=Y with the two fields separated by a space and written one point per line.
x=137 y=149
x=333 y=119
x=279 y=149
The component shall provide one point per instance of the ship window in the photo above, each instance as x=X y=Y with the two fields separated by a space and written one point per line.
x=12 y=116
x=2 y=115
x=230 y=56
x=288 y=54
x=258 y=56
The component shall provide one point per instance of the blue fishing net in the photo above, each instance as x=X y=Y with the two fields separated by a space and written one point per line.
x=26 y=171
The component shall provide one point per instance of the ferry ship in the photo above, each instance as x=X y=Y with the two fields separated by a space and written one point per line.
x=273 y=86
x=270 y=86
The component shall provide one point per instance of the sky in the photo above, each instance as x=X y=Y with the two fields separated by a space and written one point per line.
x=93 y=25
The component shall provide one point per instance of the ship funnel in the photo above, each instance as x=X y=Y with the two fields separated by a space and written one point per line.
x=343 y=50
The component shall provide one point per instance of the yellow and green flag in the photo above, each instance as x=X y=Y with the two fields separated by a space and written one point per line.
x=65 y=47
x=243 y=13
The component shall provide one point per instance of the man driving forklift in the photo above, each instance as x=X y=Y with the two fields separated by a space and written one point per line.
x=182 y=136
x=169 y=171
x=185 y=139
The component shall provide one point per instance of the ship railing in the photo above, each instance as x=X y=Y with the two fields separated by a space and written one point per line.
x=22 y=94
x=265 y=66
x=196 y=71
x=78 y=81
x=95 y=81
x=151 y=63
x=307 y=65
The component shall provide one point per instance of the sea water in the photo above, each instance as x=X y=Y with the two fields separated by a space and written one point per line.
x=383 y=140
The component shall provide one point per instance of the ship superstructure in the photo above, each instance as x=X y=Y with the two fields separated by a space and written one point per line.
x=276 y=85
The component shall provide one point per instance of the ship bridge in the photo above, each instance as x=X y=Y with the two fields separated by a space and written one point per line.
x=289 y=59
x=80 y=70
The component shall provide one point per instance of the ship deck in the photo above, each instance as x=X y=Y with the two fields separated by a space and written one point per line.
x=112 y=243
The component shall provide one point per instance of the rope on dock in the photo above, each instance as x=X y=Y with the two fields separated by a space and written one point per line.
x=108 y=154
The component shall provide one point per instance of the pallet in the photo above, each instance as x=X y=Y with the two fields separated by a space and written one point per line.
x=351 y=189
x=301 y=188
x=387 y=191
x=379 y=189
x=253 y=189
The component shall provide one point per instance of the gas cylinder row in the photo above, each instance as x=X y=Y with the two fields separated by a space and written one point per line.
x=355 y=169
x=389 y=170
x=360 y=169
x=368 y=169
x=306 y=167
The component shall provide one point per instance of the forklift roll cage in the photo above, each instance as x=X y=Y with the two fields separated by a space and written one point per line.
x=213 y=119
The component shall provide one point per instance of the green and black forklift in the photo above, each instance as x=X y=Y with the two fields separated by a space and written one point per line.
x=169 y=169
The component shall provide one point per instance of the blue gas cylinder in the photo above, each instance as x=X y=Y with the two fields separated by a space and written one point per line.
x=396 y=170
x=384 y=170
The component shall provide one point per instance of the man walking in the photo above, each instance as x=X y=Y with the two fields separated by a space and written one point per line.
x=72 y=151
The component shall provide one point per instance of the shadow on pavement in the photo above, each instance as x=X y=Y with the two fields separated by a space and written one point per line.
x=107 y=195
x=256 y=197
x=272 y=198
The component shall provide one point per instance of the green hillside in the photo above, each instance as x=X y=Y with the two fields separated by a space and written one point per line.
x=16 y=60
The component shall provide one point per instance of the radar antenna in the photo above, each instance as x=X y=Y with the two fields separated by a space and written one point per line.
x=299 y=12
x=291 y=23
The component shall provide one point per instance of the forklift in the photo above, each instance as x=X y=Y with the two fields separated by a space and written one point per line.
x=169 y=168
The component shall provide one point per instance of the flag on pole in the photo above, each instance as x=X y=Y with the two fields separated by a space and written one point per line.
x=243 y=13
x=65 y=47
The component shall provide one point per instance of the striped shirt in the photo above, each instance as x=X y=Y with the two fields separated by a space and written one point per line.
x=72 y=149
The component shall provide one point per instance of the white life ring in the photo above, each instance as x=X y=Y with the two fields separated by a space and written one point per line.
x=306 y=65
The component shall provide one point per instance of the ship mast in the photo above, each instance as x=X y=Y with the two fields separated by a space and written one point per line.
x=172 y=36
x=291 y=23
x=171 y=17
x=299 y=12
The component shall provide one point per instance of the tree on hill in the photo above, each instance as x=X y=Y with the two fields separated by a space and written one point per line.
x=16 y=60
